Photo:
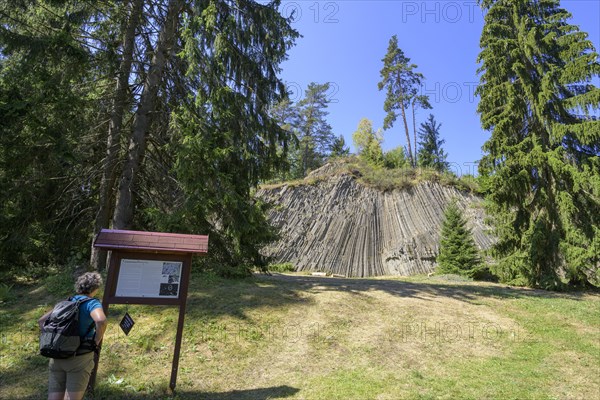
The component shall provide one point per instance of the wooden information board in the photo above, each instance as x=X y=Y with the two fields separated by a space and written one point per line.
x=141 y=278
x=149 y=268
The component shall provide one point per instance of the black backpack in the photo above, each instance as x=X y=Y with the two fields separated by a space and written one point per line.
x=60 y=332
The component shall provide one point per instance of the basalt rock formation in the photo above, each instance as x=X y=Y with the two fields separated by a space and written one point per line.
x=333 y=223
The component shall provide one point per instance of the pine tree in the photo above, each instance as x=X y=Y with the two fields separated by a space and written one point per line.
x=227 y=140
x=542 y=164
x=402 y=83
x=118 y=110
x=431 y=153
x=458 y=252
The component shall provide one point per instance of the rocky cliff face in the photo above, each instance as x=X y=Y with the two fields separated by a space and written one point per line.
x=340 y=226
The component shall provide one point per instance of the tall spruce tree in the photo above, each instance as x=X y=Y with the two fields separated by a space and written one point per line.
x=48 y=102
x=421 y=101
x=458 y=252
x=431 y=153
x=541 y=163
x=314 y=133
x=227 y=139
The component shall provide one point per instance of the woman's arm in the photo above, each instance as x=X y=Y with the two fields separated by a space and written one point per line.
x=100 y=319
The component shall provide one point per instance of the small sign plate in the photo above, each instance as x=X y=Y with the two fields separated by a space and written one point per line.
x=126 y=323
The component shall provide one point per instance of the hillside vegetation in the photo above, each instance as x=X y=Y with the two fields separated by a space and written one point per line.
x=383 y=178
x=303 y=337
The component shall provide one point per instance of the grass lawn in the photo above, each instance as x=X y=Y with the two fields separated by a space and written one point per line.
x=301 y=337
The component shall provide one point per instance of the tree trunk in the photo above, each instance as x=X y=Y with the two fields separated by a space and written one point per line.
x=410 y=154
x=123 y=216
x=414 y=132
x=109 y=168
x=403 y=109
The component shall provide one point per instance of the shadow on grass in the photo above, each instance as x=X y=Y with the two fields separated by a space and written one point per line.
x=236 y=297
x=422 y=290
x=211 y=300
x=231 y=297
x=28 y=375
x=275 y=392
x=16 y=384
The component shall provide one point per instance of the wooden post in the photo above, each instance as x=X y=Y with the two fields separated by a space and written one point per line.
x=108 y=287
x=178 y=338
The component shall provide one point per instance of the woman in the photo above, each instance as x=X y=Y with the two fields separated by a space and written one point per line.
x=69 y=377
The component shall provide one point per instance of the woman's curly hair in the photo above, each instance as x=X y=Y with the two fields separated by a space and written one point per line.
x=88 y=282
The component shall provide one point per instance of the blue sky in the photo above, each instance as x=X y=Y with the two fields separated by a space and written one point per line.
x=344 y=41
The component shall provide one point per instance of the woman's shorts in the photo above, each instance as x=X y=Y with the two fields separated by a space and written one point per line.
x=72 y=374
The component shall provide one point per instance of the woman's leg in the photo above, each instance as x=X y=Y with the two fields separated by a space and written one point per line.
x=56 y=381
x=78 y=376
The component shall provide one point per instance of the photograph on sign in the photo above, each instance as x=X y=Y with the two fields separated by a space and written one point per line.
x=149 y=278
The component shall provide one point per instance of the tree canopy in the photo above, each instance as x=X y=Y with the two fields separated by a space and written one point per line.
x=312 y=138
x=143 y=115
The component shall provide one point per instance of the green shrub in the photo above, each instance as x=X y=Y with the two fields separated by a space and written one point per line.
x=224 y=270
x=395 y=158
x=482 y=273
x=469 y=183
x=5 y=292
x=386 y=179
x=282 y=267
x=425 y=174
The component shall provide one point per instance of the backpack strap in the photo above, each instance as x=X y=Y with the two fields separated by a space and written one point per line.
x=89 y=329
x=79 y=303
x=86 y=344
